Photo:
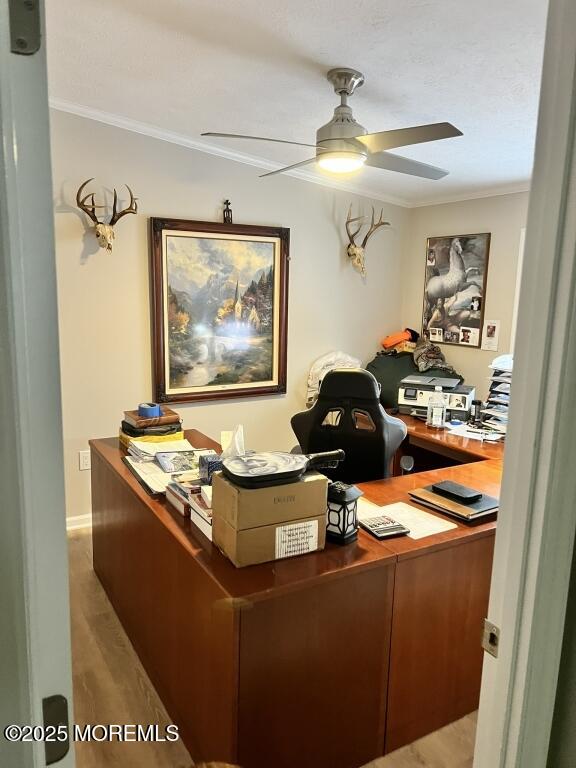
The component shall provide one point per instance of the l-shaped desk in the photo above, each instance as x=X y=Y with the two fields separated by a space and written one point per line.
x=328 y=660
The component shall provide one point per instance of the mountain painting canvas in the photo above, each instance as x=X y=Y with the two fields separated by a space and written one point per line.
x=222 y=330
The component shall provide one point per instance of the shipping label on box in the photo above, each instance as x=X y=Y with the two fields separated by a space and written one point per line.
x=269 y=542
x=296 y=538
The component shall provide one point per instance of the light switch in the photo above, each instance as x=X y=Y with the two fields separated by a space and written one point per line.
x=83 y=460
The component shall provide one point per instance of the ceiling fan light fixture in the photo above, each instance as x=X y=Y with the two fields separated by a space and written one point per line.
x=340 y=162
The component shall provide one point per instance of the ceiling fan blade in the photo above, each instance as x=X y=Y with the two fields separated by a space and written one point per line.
x=288 y=167
x=258 y=138
x=402 y=137
x=391 y=162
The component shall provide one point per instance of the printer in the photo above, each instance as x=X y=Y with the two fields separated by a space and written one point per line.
x=414 y=392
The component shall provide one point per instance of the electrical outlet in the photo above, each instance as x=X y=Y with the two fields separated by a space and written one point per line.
x=83 y=460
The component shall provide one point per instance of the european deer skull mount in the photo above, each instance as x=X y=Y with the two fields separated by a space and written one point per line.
x=354 y=251
x=104 y=232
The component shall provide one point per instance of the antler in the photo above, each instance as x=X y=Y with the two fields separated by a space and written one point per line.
x=88 y=208
x=132 y=208
x=349 y=220
x=374 y=226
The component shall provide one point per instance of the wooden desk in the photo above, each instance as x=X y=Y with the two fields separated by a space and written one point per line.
x=323 y=661
x=442 y=443
x=441 y=591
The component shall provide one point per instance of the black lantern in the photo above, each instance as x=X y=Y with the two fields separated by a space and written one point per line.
x=342 y=522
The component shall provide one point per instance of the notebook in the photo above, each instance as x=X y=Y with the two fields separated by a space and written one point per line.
x=487 y=505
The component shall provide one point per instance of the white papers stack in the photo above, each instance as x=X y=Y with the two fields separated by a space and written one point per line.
x=149 y=473
x=420 y=524
x=471 y=433
x=147 y=450
x=495 y=410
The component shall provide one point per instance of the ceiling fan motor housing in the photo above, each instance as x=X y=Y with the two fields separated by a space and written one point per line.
x=340 y=132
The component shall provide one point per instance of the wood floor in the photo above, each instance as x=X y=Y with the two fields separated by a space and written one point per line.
x=111 y=686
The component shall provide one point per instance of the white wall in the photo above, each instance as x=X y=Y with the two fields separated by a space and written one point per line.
x=504 y=216
x=104 y=298
x=104 y=314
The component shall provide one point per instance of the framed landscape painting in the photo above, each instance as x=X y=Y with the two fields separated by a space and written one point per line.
x=219 y=309
x=455 y=289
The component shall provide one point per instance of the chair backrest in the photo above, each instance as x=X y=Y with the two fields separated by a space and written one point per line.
x=348 y=415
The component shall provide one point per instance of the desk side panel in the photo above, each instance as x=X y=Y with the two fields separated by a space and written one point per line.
x=177 y=618
x=440 y=602
x=206 y=678
x=313 y=674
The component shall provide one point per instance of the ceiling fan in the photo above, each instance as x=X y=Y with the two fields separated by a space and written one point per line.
x=343 y=145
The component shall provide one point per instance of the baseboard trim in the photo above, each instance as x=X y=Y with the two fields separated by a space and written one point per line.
x=78 y=522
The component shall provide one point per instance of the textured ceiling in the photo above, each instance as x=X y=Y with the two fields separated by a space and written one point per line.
x=258 y=66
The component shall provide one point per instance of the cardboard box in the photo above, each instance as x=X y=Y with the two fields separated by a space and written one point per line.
x=257 y=525
x=252 y=507
x=269 y=542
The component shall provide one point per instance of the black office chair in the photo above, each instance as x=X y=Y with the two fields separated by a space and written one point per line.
x=348 y=415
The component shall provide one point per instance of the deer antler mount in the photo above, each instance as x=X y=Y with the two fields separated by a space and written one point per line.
x=356 y=252
x=104 y=232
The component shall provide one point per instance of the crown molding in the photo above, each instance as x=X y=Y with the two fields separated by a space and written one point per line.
x=154 y=132
x=145 y=129
x=513 y=189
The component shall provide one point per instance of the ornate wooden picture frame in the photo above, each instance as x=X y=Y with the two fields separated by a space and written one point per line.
x=455 y=289
x=219 y=309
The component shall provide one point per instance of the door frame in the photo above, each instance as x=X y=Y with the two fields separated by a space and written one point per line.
x=35 y=623
x=534 y=544
x=537 y=525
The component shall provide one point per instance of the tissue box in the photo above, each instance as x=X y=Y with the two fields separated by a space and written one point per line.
x=207 y=464
x=257 y=525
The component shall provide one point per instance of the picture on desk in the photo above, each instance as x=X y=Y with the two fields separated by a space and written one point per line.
x=222 y=329
x=457 y=402
x=455 y=288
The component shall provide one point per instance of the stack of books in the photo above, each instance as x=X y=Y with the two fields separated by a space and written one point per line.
x=194 y=500
x=168 y=426
x=495 y=410
x=482 y=507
